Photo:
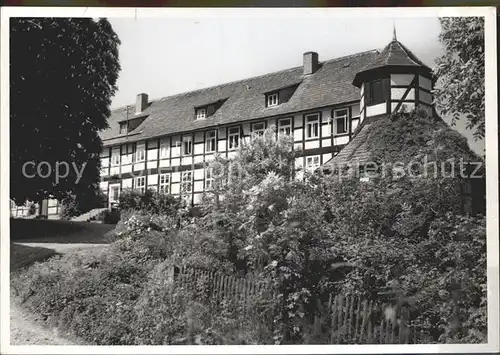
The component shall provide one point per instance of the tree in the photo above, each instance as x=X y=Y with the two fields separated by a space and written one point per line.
x=63 y=74
x=460 y=71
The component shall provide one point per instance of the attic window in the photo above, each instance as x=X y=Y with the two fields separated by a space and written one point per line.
x=272 y=99
x=123 y=127
x=201 y=113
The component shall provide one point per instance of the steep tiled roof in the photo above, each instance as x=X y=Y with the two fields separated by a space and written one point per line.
x=395 y=54
x=331 y=84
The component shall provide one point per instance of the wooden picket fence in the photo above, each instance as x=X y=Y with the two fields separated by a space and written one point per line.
x=343 y=319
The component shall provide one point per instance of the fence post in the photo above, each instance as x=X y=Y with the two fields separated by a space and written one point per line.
x=358 y=315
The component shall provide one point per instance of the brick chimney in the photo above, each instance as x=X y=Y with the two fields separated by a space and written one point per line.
x=141 y=103
x=311 y=63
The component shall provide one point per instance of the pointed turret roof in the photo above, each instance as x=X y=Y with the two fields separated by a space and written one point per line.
x=394 y=55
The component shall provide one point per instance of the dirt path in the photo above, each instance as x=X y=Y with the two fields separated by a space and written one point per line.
x=26 y=330
x=36 y=241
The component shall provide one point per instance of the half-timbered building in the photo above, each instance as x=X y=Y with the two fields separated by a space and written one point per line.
x=166 y=144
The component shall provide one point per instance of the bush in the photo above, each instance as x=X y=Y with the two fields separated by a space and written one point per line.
x=151 y=201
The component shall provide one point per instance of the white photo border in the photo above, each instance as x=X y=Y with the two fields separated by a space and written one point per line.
x=491 y=144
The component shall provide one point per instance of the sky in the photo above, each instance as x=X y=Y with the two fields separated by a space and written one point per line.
x=167 y=56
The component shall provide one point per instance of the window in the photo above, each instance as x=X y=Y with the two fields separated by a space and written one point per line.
x=115 y=194
x=187 y=184
x=165 y=183
x=210 y=141
x=312 y=126
x=123 y=127
x=140 y=184
x=312 y=163
x=209 y=179
x=115 y=158
x=258 y=129
x=285 y=127
x=201 y=113
x=164 y=149
x=187 y=145
x=234 y=138
x=140 y=154
x=272 y=100
x=376 y=91
x=340 y=117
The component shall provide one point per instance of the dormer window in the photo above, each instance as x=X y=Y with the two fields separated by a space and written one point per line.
x=201 y=113
x=272 y=99
x=123 y=127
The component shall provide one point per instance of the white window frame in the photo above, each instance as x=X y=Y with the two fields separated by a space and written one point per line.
x=140 y=183
x=311 y=165
x=123 y=127
x=140 y=153
x=115 y=157
x=283 y=127
x=201 y=113
x=344 y=117
x=258 y=131
x=164 y=149
x=208 y=139
x=186 y=180
x=164 y=183
x=233 y=138
x=272 y=99
x=311 y=121
x=187 y=145
x=209 y=179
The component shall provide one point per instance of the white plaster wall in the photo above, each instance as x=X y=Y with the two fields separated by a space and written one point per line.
x=401 y=79
x=127 y=168
x=311 y=144
x=127 y=183
x=221 y=146
x=176 y=176
x=164 y=163
x=152 y=154
x=222 y=133
x=397 y=94
x=327 y=157
x=139 y=166
x=198 y=159
x=376 y=109
x=198 y=148
x=175 y=188
x=340 y=140
x=297 y=134
x=326 y=142
x=153 y=179
x=187 y=160
x=104 y=162
x=175 y=162
x=114 y=171
x=198 y=186
x=355 y=124
x=198 y=174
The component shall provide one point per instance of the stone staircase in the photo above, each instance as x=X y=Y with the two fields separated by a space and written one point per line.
x=88 y=215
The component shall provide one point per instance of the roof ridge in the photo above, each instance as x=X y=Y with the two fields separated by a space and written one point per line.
x=247 y=79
